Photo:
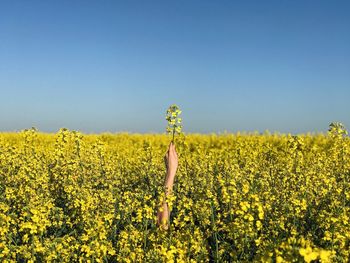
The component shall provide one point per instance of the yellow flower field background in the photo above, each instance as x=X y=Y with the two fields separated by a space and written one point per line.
x=72 y=197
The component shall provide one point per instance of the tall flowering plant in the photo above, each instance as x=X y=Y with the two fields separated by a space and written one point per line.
x=174 y=121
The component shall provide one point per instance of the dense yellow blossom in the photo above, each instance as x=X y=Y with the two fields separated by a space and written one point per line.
x=71 y=197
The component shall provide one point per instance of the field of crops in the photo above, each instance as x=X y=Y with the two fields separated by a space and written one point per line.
x=69 y=197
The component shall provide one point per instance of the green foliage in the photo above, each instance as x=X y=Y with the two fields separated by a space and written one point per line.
x=72 y=197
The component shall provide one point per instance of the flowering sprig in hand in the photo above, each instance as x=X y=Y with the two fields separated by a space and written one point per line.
x=174 y=122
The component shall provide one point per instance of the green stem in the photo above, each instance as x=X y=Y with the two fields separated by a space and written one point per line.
x=216 y=257
x=173 y=134
x=145 y=237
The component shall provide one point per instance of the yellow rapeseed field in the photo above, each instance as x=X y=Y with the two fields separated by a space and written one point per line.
x=71 y=197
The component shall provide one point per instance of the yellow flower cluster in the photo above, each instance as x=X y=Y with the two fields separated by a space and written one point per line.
x=70 y=197
x=174 y=121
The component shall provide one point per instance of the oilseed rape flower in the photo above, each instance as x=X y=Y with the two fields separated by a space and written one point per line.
x=174 y=121
x=337 y=129
x=73 y=197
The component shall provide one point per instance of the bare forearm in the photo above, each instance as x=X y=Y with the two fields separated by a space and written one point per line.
x=164 y=212
x=169 y=181
x=163 y=216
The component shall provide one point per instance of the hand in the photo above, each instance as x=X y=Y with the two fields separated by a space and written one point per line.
x=171 y=160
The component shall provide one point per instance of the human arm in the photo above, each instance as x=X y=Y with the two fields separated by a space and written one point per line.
x=171 y=163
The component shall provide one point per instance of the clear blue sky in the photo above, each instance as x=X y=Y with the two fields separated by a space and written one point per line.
x=113 y=66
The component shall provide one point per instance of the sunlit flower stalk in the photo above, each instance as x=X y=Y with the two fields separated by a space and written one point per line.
x=174 y=122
